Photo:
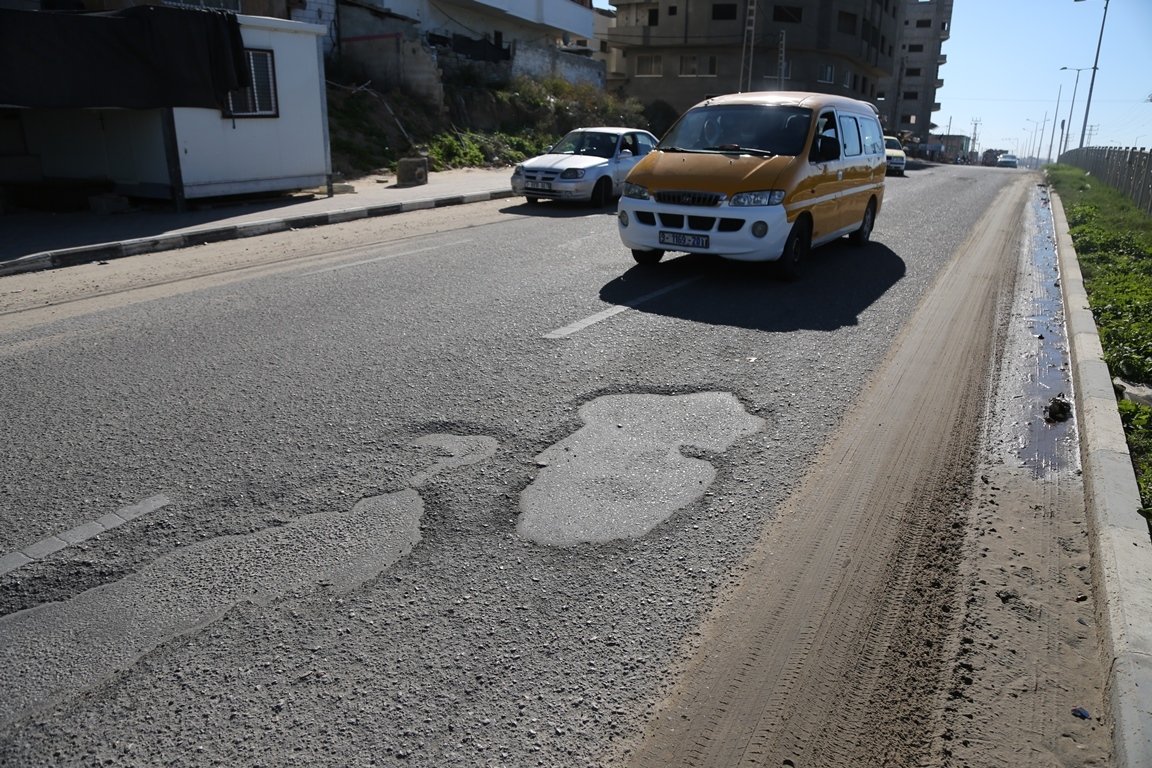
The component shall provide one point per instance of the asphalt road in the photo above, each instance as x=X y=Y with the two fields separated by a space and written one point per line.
x=457 y=489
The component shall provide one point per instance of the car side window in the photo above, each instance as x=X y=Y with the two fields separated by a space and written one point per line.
x=850 y=136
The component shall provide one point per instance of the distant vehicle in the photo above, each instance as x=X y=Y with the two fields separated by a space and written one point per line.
x=588 y=164
x=990 y=156
x=1007 y=161
x=896 y=157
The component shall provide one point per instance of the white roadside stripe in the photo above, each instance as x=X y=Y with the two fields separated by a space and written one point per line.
x=580 y=325
x=45 y=547
x=383 y=258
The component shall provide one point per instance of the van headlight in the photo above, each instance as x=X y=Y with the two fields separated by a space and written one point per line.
x=518 y=171
x=635 y=191
x=572 y=173
x=765 y=197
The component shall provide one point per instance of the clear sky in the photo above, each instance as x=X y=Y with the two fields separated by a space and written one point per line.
x=1004 y=60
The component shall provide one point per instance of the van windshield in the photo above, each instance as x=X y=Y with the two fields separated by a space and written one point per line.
x=752 y=128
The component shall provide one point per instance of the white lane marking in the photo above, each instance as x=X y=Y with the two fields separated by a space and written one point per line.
x=580 y=325
x=47 y=546
x=383 y=258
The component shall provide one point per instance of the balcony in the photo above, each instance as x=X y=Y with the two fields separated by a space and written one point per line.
x=562 y=15
x=942 y=59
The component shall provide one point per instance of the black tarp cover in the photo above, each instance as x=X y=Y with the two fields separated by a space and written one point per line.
x=137 y=58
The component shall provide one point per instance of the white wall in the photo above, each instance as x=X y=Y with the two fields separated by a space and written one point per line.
x=222 y=155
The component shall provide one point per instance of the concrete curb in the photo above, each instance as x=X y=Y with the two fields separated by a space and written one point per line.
x=87 y=254
x=1122 y=549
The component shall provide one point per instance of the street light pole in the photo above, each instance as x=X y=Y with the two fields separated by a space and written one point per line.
x=1095 y=64
x=1071 y=109
x=1056 y=116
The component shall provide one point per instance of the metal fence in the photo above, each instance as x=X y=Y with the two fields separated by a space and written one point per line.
x=1127 y=169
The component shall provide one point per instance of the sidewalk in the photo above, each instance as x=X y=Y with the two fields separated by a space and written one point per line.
x=35 y=240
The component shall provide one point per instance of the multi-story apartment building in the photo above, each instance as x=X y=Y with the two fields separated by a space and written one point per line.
x=682 y=51
x=907 y=97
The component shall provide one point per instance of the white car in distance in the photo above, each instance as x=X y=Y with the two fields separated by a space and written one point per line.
x=588 y=164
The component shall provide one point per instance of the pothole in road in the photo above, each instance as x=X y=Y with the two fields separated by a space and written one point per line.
x=623 y=473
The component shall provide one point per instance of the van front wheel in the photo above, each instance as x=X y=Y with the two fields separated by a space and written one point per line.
x=796 y=249
x=862 y=235
x=647 y=258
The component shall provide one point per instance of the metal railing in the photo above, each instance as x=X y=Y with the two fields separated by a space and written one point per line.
x=1128 y=169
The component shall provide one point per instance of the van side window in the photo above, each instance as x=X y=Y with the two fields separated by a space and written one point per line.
x=850 y=136
x=825 y=128
x=871 y=136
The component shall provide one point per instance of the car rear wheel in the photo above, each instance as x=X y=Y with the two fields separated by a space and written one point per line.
x=647 y=257
x=862 y=235
x=796 y=250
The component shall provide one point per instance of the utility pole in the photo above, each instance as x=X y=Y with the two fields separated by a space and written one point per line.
x=1056 y=114
x=749 y=46
x=1092 y=82
x=975 y=134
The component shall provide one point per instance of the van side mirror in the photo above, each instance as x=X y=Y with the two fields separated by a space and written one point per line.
x=827 y=148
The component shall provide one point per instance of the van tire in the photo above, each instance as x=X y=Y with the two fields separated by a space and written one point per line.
x=862 y=235
x=532 y=200
x=796 y=250
x=647 y=258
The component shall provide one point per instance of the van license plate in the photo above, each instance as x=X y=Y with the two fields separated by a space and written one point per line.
x=683 y=241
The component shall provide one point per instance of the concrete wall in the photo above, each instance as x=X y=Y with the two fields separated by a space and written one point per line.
x=539 y=62
x=391 y=53
x=322 y=12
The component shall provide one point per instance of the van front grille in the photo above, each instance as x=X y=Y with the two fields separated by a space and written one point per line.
x=687 y=197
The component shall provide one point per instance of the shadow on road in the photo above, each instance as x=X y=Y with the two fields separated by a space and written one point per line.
x=839 y=282
x=558 y=209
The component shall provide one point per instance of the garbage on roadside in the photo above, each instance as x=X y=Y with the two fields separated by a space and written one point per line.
x=1059 y=408
x=1081 y=713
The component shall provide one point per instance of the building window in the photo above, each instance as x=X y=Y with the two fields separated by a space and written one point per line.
x=912 y=71
x=846 y=23
x=671 y=10
x=917 y=48
x=911 y=95
x=258 y=99
x=723 y=11
x=653 y=17
x=648 y=65
x=923 y=23
x=788 y=14
x=697 y=66
x=775 y=71
x=846 y=79
x=827 y=74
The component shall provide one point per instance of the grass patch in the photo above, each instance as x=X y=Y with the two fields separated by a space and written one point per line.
x=1113 y=241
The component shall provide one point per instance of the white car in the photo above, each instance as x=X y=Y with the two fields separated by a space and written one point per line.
x=1007 y=161
x=588 y=164
x=894 y=152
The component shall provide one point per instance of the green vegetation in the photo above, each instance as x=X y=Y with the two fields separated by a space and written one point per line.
x=1113 y=241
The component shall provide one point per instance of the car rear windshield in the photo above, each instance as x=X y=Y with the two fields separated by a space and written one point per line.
x=771 y=130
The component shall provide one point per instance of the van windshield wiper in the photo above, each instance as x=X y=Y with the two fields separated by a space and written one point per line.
x=746 y=150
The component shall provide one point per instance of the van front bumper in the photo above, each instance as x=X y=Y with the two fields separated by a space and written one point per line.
x=726 y=231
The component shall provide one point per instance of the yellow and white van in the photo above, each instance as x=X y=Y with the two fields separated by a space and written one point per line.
x=757 y=177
